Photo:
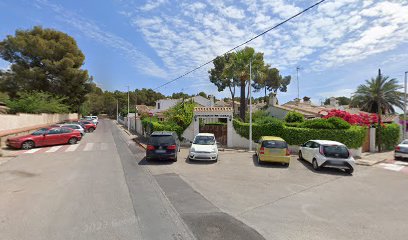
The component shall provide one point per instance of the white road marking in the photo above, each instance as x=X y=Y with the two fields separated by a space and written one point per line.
x=88 y=147
x=401 y=163
x=33 y=150
x=104 y=146
x=53 y=149
x=391 y=167
x=72 y=148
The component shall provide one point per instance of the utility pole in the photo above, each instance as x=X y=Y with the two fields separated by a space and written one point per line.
x=128 y=120
x=297 y=80
x=379 y=110
x=117 y=110
x=405 y=106
x=250 y=105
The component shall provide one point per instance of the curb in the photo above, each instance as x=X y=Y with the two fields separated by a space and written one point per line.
x=369 y=163
x=139 y=143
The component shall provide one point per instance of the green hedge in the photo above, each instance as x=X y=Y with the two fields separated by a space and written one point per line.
x=293 y=117
x=353 y=137
x=162 y=126
x=390 y=136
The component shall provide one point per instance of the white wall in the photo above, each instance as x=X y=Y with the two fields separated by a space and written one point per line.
x=25 y=120
x=240 y=142
x=277 y=112
x=165 y=104
x=188 y=134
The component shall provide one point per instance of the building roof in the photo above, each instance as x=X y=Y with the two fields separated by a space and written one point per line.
x=143 y=108
x=212 y=109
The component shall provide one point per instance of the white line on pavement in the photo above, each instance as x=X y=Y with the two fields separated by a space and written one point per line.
x=72 y=148
x=53 y=149
x=88 y=147
x=33 y=150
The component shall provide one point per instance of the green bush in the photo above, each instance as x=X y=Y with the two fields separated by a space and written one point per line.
x=353 y=137
x=339 y=123
x=293 y=124
x=37 y=102
x=259 y=114
x=390 y=136
x=155 y=125
x=318 y=123
x=292 y=117
x=270 y=121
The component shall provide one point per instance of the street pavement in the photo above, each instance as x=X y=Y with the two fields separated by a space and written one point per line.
x=103 y=188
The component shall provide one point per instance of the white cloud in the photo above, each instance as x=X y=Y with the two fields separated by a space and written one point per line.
x=152 y=4
x=93 y=31
x=336 y=33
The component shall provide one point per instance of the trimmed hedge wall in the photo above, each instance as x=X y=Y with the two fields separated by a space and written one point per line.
x=163 y=126
x=353 y=137
x=390 y=136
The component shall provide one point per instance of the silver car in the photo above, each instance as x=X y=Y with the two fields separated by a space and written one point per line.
x=77 y=127
x=401 y=151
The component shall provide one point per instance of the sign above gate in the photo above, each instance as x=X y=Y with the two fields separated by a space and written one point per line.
x=212 y=112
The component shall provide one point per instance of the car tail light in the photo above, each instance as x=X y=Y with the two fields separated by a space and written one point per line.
x=287 y=152
x=262 y=150
x=397 y=148
x=321 y=150
x=150 y=147
x=172 y=147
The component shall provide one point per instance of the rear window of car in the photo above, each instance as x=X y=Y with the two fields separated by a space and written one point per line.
x=274 y=144
x=40 y=132
x=336 y=151
x=158 y=140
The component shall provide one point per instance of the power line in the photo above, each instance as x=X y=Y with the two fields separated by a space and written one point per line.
x=242 y=44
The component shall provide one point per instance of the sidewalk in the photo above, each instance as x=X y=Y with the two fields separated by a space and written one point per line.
x=369 y=159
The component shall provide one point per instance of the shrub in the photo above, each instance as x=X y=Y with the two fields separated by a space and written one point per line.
x=162 y=126
x=353 y=137
x=294 y=124
x=318 y=123
x=37 y=102
x=292 y=117
x=361 y=119
x=269 y=120
x=390 y=136
x=259 y=114
x=339 y=123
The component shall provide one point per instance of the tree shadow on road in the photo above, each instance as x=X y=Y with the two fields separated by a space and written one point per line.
x=328 y=171
x=144 y=161
x=267 y=164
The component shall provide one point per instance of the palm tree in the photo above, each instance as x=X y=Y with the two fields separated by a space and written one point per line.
x=379 y=95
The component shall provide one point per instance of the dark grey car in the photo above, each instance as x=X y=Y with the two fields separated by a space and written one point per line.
x=163 y=146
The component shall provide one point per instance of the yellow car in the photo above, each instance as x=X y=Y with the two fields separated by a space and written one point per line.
x=272 y=149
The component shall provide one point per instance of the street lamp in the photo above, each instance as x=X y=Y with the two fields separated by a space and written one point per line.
x=128 y=120
x=405 y=105
x=297 y=80
x=250 y=105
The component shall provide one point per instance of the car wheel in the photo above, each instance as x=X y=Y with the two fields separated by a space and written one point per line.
x=175 y=159
x=27 y=145
x=91 y=130
x=349 y=170
x=285 y=164
x=72 y=141
x=315 y=165
x=300 y=155
x=259 y=160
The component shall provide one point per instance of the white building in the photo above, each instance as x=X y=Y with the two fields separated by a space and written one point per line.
x=165 y=104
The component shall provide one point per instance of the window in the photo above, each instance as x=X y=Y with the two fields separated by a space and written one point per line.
x=54 y=131
x=158 y=105
x=204 y=140
x=315 y=145
x=65 y=130
x=308 y=144
x=40 y=132
x=161 y=140
x=274 y=144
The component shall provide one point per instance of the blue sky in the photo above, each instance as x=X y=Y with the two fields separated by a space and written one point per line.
x=143 y=43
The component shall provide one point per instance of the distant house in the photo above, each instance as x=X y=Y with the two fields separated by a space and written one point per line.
x=165 y=104
x=142 y=109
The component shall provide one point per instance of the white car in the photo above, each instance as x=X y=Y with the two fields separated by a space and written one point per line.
x=77 y=127
x=204 y=147
x=401 y=151
x=94 y=119
x=324 y=153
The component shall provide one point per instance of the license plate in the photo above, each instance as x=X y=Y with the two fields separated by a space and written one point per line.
x=160 y=151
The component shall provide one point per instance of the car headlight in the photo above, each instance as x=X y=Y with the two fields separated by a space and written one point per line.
x=213 y=151
x=192 y=150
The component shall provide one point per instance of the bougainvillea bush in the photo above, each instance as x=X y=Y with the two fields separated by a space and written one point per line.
x=361 y=119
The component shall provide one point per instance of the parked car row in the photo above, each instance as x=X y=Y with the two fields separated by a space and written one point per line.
x=56 y=134
x=320 y=153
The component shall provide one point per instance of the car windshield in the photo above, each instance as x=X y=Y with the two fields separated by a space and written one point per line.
x=405 y=142
x=204 y=140
x=160 y=140
x=40 y=132
x=274 y=144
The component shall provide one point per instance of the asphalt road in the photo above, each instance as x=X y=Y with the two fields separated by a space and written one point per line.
x=102 y=188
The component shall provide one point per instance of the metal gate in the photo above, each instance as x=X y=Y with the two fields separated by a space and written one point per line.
x=219 y=131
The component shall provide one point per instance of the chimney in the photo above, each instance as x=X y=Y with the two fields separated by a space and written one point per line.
x=306 y=100
x=212 y=101
x=333 y=102
x=273 y=101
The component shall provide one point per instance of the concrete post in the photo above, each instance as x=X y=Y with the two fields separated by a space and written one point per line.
x=230 y=127
x=196 y=126
x=372 y=140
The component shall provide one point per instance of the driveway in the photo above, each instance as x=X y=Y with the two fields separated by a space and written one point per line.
x=297 y=202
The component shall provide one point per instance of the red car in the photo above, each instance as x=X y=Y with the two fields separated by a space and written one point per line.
x=89 y=126
x=45 y=137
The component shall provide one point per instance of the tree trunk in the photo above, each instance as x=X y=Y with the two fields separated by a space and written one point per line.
x=379 y=127
x=242 y=101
